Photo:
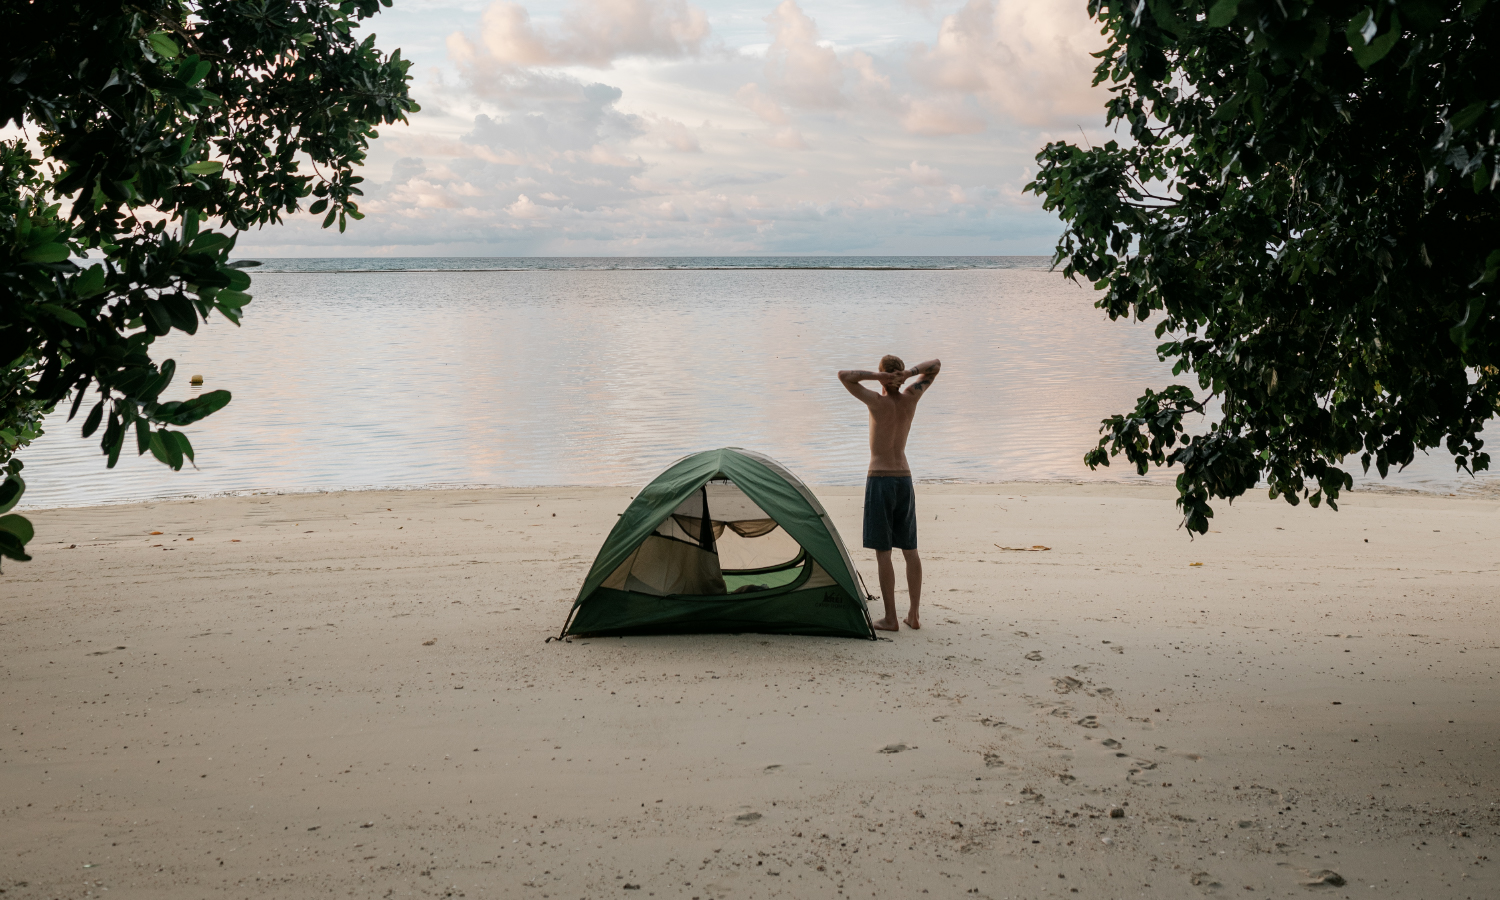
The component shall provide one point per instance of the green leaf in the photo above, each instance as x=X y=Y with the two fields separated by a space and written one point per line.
x=318 y=206
x=1368 y=49
x=184 y=446
x=17 y=526
x=187 y=412
x=232 y=299
x=165 y=449
x=46 y=253
x=90 y=283
x=180 y=309
x=66 y=316
x=207 y=167
x=163 y=45
x=13 y=548
x=1468 y=116
x=91 y=424
x=158 y=320
x=113 y=447
x=208 y=241
x=1222 y=13
x=11 y=490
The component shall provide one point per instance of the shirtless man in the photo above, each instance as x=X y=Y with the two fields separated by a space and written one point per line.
x=890 y=503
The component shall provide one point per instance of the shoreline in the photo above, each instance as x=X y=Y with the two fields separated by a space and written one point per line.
x=1475 y=490
x=352 y=692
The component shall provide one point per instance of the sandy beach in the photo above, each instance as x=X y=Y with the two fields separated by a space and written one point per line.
x=351 y=694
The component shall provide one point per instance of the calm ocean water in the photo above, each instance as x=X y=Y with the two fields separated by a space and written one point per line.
x=354 y=373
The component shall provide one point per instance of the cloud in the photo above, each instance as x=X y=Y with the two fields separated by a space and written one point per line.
x=674 y=135
x=762 y=104
x=924 y=174
x=523 y=208
x=593 y=33
x=800 y=69
x=826 y=138
x=782 y=134
x=1027 y=61
x=940 y=117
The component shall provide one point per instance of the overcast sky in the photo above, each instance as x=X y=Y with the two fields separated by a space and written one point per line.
x=741 y=127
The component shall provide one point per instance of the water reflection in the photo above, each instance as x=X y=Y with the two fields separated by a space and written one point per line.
x=604 y=377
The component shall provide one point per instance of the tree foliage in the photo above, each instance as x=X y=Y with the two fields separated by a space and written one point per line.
x=1307 y=204
x=164 y=128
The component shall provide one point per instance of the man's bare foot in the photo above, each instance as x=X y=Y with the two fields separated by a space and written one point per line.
x=887 y=624
x=912 y=622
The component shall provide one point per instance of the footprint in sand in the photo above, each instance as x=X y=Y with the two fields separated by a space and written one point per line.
x=1089 y=722
x=993 y=761
x=1111 y=743
x=1035 y=656
x=1066 y=684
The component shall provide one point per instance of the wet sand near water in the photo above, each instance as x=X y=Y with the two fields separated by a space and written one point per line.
x=350 y=693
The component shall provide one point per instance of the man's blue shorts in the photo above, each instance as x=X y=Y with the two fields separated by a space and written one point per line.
x=890 y=512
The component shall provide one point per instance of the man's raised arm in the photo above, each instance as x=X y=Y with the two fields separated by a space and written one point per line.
x=924 y=373
x=851 y=378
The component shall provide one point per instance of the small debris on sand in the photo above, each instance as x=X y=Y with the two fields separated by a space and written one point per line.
x=1325 y=877
x=894 y=748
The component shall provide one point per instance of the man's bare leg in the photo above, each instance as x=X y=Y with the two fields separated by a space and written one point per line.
x=913 y=588
x=887 y=591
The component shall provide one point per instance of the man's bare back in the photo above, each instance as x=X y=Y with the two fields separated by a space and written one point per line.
x=890 y=510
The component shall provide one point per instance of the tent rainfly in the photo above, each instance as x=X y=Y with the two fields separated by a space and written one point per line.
x=723 y=541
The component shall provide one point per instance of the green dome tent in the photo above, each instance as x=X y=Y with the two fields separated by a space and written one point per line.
x=723 y=541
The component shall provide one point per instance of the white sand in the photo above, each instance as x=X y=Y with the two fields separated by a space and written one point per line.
x=355 y=699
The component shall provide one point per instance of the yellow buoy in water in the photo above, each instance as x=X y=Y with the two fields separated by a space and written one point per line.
x=196 y=379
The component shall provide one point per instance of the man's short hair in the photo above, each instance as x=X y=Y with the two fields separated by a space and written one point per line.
x=889 y=363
